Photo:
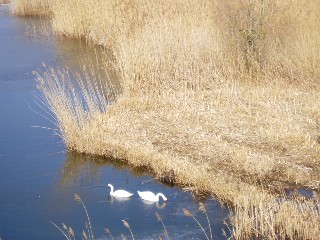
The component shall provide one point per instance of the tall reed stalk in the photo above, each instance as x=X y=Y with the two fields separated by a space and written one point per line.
x=75 y=99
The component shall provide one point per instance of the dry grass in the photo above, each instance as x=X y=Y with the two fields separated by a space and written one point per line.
x=212 y=145
x=5 y=1
x=31 y=7
x=223 y=93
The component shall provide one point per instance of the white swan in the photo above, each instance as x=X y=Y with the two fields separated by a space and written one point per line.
x=150 y=196
x=119 y=193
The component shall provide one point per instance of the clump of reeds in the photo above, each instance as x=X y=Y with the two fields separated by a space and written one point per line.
x=73 y=102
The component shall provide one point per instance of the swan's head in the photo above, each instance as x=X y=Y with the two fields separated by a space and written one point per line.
x=109 y=185
x=164 y=198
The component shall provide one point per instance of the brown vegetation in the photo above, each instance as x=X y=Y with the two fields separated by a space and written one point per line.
x=224 y=94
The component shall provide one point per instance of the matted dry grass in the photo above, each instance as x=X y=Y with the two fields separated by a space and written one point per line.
x=223 y=93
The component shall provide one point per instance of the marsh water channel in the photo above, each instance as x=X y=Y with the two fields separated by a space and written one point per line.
x=39 y=177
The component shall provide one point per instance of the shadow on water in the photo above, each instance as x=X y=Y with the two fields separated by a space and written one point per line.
x=79 y=166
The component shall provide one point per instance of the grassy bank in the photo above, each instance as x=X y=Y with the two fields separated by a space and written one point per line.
x=224 y=94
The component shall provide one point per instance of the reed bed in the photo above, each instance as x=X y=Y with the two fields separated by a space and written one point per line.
x=224 y=94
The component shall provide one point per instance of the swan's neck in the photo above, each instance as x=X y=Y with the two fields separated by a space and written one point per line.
x=111 y=187
x=161 y=195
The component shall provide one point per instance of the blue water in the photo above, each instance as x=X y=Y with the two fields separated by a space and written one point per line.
x=39 y=177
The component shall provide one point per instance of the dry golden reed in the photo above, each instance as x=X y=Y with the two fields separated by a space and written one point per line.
x=31 y=7
x=223 y=93
x=155 y=40
x=5 y=1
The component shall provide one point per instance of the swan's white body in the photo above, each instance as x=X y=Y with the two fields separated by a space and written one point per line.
x=119 y=193
x=150 y=196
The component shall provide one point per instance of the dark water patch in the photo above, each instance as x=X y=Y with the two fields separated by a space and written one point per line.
x=304 y=192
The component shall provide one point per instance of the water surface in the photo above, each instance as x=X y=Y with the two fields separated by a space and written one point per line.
x=39 y=177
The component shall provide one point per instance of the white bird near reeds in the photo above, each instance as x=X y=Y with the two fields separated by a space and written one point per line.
x=150 y=196
x=119 y=193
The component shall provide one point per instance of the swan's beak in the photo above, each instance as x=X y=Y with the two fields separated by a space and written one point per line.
x=166 y=201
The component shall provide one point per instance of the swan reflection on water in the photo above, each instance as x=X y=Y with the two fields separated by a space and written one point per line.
x=158 y=205
x=148 y=204
x=112 y=199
